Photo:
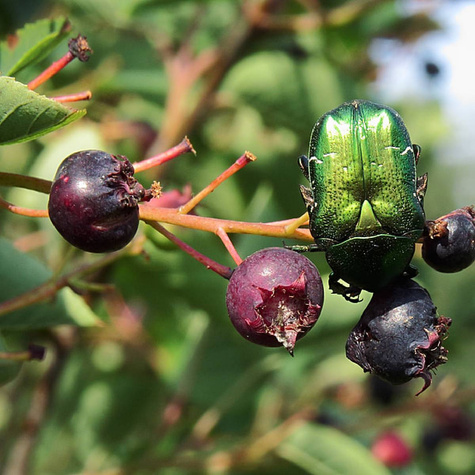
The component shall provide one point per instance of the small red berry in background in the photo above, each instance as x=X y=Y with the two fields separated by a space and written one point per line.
x=392 y=450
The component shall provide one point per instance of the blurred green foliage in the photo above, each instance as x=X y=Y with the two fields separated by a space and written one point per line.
x=166 y=385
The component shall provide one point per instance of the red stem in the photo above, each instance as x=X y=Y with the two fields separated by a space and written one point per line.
x=229 y=245
x=241 y=162
x=183 y=147
x=32 y=213
x=78 y=96
x=78 y=48
x=223 y=271
x=51 y=70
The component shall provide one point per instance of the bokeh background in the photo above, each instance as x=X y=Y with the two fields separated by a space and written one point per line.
x=166 y=385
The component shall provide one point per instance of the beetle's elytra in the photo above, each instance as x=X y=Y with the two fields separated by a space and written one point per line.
x=364 y=200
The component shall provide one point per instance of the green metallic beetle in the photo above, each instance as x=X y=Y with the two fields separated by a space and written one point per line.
x=365 y=202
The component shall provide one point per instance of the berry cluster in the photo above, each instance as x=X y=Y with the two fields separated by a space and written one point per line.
x=274 y=296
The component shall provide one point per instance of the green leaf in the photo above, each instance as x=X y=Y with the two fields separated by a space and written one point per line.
x=323 y=450
x=26 y=115
x=33 y=42
x=20 y=273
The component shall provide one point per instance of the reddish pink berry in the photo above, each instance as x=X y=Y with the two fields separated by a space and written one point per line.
x=275 y=297
x=392 y=450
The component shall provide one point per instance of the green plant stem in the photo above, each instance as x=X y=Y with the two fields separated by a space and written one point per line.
x=15 y=355
x=150 y=213
x=294 y=224
x=24 y=181
x=23 y=445
x=34 y=352
x=50 y=288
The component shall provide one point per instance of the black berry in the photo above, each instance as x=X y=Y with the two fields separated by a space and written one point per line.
x=274 y=297
x=399 y=336
x=94 y=199
x=449 y=245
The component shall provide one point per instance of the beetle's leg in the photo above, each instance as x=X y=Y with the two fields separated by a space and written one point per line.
x=307 y=248
x=410 y=271
x=307 y=193
x=303 y=164
x=349 y=292
x=417 y=152
x=307 y=196
x=421 y=187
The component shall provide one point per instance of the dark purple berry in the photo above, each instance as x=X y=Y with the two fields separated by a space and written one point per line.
x=37 y=352
x=94 y=199
x=449 y=422
x=455 y=423
x=274 y=297
x=449 y=245
x=399 y=336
